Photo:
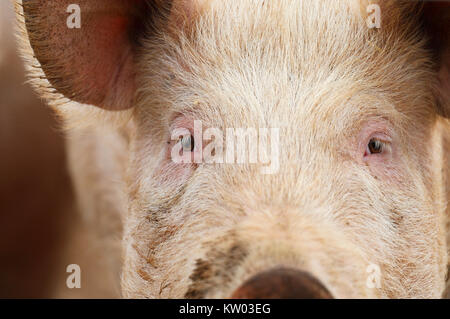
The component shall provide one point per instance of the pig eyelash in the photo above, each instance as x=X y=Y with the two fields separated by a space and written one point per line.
x=376 y=147
x=187 y=142
x=184 y=142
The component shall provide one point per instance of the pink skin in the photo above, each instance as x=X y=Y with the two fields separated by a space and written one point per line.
x=182 y=126
x=168 y=170
x=385 y=165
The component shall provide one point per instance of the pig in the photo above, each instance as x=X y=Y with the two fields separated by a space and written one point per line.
x=358 y=91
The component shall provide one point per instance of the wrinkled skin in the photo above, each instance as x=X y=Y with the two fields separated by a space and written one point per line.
x=333 y=209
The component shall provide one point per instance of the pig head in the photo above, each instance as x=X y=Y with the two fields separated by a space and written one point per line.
x=357 y=116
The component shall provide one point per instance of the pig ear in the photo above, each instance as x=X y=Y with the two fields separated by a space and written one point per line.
x=86 y=48
x=437 y=26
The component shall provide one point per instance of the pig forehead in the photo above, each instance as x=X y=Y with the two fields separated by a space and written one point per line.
x=331 y=107
x=287 y=54
x=291 y=63
x=356 y=7
x=345 y=106
x=284 y=23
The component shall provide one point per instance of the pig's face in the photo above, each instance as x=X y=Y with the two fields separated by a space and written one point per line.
x=351 y=202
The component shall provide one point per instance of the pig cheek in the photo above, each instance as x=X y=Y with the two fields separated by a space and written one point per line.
x=169 y=172
x=388 y=168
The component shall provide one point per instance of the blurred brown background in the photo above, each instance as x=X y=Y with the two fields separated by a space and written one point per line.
x=35 y=194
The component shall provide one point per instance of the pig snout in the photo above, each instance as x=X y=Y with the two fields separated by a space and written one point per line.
x=282 y=283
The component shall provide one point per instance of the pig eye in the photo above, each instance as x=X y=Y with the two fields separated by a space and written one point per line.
x=375 y=146
x=187 y=142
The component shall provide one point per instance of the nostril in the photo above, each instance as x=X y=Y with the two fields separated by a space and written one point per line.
x=282 y=283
